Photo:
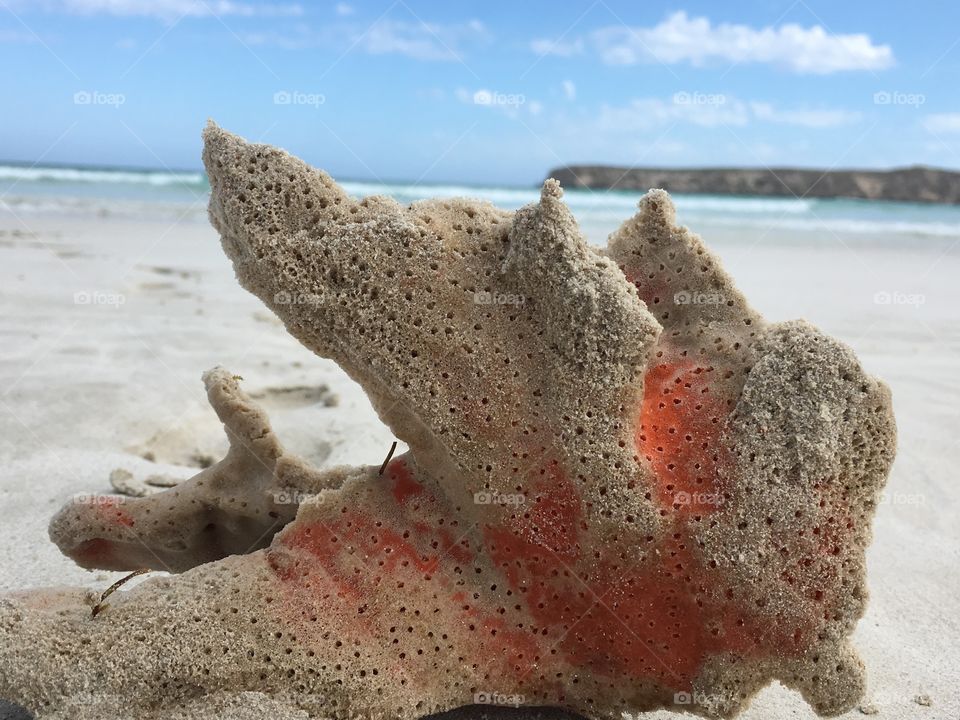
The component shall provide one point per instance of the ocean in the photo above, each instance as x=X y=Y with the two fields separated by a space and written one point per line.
x=182 y=195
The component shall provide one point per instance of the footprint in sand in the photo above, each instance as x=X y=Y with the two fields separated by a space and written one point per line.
x=167 y=283
x=198 y=440
x=296 y=396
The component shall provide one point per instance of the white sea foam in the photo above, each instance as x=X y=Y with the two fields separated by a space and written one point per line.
x=153 y=193
x=36 y=174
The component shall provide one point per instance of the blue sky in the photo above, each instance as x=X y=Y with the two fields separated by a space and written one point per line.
x=483 y=92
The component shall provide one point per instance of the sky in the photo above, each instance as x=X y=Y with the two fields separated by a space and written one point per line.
x=483 y=92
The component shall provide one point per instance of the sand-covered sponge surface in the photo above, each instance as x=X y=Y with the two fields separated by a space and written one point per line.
x=624 y=490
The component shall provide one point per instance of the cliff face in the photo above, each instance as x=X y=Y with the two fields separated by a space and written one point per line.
x=913 y=184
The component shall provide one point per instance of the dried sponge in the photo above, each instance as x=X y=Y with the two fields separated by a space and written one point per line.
x=624 y=489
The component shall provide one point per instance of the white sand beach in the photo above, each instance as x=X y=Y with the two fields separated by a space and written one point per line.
x=107 y=323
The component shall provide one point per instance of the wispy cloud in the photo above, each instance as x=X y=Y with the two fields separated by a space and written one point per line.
x=295 y=38
x=644 y=114
x=15 y=36
x=697 y=41
x=703 y=110
x=166 y=9
x=569 y=90
x=421 y=40
x=804 y=117
x=542 y=46
x=942 y=123
x=414 y=39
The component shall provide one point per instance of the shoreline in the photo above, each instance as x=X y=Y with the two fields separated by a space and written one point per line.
x=599 y=213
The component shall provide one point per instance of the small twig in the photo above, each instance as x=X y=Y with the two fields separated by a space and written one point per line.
x=389 y=455
x=116 y=586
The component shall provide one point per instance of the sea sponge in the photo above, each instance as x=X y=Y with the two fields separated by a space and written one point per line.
x=231 y=508
x=624 y=489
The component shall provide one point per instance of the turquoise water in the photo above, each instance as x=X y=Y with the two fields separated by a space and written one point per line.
x=183 y=194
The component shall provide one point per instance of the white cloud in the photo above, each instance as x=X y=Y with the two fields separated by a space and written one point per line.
x=431 y=93
x=569 y=90
x=680 y=38
x=671 y=147
x=419 y=40
x=15 y=36
x=295 y=38
x=756 y=150
x=812 y=118
x=343 y=9
x=542 y=46
x=942 y=123
x=167 y=9
x=423 y=41
x=645 y=114
x=706 y=110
